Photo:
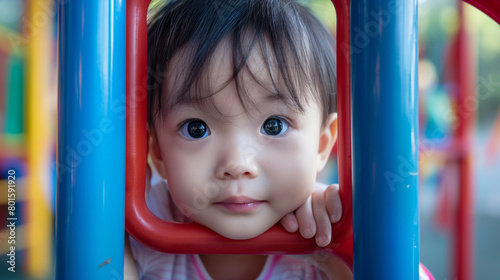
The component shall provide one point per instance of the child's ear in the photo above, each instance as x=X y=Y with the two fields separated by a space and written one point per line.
x=327 y=138
x=155 y=154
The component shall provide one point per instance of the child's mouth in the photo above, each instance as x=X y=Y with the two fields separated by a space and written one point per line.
x=240 y=204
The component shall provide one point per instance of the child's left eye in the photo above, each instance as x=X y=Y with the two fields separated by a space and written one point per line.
x=274 y=126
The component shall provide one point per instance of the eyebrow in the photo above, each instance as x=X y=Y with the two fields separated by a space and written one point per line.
x=187 y=99
x=284 y=103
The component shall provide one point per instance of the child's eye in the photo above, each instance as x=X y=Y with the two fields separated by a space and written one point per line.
x=274 y=126
x=195 y=129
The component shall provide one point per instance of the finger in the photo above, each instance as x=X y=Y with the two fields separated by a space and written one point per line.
x=333 y=203
x=305 y=219
x=323 y=224
x=289 y=222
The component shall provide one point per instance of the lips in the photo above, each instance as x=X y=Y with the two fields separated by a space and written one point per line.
x=240 y=204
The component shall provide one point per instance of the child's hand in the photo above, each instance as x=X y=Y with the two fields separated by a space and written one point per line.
x=315 y=216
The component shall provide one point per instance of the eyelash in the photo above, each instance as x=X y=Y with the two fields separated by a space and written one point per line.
x=183 y=123
x=280 y=117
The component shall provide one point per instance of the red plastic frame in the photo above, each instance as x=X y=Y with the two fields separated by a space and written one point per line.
x=193 y=238
x=178 y=238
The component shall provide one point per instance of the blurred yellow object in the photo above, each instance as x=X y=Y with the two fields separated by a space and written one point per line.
x=39 y=59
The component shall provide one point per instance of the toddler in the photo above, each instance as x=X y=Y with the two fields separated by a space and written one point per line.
x=240 y=124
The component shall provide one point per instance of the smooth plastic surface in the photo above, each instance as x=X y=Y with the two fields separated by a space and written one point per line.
x=384 y=49
x=91 y=140
x=190 y=238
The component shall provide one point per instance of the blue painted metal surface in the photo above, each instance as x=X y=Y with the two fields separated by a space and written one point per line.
x=91 y=140
x=384 y=132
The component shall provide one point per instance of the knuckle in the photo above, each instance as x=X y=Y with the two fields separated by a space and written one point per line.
x=325 y=225
x=318 y=200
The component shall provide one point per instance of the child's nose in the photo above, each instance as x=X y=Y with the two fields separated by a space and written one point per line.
x=237 y=160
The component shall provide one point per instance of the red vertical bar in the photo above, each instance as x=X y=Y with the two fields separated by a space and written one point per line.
x=463 y=134
x=342 y=8
x=136 y=133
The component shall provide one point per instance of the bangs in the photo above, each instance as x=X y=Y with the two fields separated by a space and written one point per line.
x=251 y=55
x=296 y=60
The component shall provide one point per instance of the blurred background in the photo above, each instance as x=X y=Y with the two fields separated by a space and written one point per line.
x=28 y=121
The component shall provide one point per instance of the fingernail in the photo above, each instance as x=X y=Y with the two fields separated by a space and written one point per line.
x=292 y=225
x=322 y=241
x=307 y=232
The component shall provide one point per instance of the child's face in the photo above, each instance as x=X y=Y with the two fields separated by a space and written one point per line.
x=241 y=174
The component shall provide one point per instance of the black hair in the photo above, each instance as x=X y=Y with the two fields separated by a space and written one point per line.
x=292 y=42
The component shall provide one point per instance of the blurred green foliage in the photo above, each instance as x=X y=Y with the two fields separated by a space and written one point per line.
x=438 y=22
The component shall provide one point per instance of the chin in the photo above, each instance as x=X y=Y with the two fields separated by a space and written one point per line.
x=239 y=232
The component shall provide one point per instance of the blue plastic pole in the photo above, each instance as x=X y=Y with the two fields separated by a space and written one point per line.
x=385 y=139
x=91 y=140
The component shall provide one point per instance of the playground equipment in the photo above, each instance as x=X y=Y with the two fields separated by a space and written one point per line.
x=456 y=212
x=464 y=76
x=140 y=222
x=494 y=140
x=93 y=111
x=91 y=145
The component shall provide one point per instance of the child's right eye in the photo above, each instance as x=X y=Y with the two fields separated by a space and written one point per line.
x=195 y=129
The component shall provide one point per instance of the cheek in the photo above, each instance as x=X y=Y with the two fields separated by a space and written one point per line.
x=185 y=161
x=291 y=168
x=293 y=156
x=187 y=171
